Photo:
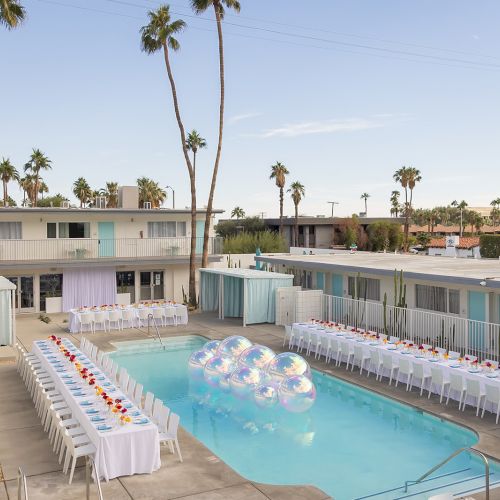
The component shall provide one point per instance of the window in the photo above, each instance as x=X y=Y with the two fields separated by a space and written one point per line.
x=51 y=230
x=10 y=231
x=50 y=286
x=368 y=288
x=166 y=229
x=437 y=298
x=74 y=230
x=125 y=283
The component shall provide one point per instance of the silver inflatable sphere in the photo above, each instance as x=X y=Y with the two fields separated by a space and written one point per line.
x=197 y=362
x=233 y=346
x=297 y=393
x=266 y=396
x=288 y=364
x=224 y=383
x=212 y=346
x=256 y=356
x=243 y=381
x=217 y=367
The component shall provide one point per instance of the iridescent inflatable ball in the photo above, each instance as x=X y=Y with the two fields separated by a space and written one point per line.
x=265 y=396
x=288 y=364
x=216 y=367
x=297 y=393
x=256 y=356
x=212 y=346
x=224 y=383
x=243 y=381
x=197 y=362
x=233 y=346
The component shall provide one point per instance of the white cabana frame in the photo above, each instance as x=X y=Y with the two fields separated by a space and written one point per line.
x=7 y=312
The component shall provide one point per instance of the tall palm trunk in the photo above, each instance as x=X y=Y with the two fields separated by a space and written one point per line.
x=192 y=254
x=407 y=213
x=296 y=224
x=366 y=207
x=5 y=193
x=281 y=211
x=204 y=260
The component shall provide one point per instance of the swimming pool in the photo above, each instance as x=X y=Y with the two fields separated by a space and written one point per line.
x=351 y=444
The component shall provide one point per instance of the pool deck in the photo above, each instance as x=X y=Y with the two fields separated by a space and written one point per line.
x=202 y=476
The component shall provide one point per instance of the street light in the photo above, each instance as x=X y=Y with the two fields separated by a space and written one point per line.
x=333 y=203
x=173 y=196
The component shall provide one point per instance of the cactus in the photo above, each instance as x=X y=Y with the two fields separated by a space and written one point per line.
x=385 y=313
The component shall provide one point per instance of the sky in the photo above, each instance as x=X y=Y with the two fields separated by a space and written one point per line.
x=342 y=92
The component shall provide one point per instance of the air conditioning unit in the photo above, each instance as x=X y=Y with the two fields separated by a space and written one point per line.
x=65 y=204
x=100 y=202
x=147 y=205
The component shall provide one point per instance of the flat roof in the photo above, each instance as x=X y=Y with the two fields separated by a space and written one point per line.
x=323 y=221
x=37 y=210
x=246 y=273
x=425 y=267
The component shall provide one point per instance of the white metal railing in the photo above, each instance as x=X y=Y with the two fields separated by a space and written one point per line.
x=87 y=248
x=454 y=333
x=22 y=487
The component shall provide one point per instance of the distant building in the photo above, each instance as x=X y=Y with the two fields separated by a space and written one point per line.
x=454 y=246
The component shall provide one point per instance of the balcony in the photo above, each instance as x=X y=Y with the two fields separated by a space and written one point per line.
x=86 y=249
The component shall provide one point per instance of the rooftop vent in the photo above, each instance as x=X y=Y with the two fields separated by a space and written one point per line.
x=100 y=202
x=65 y=204
x=147 y=205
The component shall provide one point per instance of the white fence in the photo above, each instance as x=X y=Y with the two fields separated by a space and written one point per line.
x=467 y=336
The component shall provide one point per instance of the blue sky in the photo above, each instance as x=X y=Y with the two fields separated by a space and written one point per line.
x=342 y=99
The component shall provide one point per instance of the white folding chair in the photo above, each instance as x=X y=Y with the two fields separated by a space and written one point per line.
x=360 y=357
x=159 y=315
x=288 y=335
x=347 y=351
x=131 y=388
x=100 y=318
x=148 y=403
x=86 y=321
x=157 y=408
x=170 y=315
x=76 y=447
x=115 y=318
x=170 y=436
x=129 y=317
x=405 y=368
x=492 y=397
x=375 y=363
x=419 y=374
x=390 y=364
x=439 y=382
x=142 y=316
x=457 y=385
x=314 y=343
x=164 y=414
x=138 y=395
x=473 y=390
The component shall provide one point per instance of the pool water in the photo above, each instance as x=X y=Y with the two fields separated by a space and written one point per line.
x=351 y=443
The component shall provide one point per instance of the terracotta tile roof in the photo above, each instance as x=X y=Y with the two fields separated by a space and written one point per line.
x=465 y=243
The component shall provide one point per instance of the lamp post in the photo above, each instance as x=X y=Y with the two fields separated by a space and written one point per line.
x=333 y=203
x=173 y=196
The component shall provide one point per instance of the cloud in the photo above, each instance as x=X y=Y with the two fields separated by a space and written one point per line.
x=323 y=127
x=243 y=116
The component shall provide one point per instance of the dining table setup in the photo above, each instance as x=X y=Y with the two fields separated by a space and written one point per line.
x=120 y=316
x=125 y=439
x=316 y=337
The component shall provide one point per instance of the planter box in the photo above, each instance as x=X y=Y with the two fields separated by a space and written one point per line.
x=53 y=305
x=123 y=299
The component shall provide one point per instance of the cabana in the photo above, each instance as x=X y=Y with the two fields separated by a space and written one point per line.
x=7 y=312
x=242 y=293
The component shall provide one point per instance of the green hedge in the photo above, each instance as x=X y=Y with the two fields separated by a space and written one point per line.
x=267 y=241
x=490 y=246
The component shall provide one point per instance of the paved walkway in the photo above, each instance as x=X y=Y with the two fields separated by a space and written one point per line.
x=202 y=475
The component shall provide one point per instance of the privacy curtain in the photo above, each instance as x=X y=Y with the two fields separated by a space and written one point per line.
x=88 y=287
x=209 y=291
x=261 y=299
x=5 y=317
x=233 y=297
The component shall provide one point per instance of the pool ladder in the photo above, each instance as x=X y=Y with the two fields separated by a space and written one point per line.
x=22 y=487
x=151 y=319
x=446 y=460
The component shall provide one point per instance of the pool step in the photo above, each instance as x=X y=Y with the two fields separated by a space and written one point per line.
x=459 y=483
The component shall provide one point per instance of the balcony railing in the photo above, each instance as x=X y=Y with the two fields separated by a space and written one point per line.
x=70 y=249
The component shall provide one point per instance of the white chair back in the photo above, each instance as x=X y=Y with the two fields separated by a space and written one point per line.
x=138 y=395
x=148 y=403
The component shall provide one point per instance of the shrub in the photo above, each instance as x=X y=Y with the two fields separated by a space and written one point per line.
x=490 y=246
x=230 y=228
x=249 y=242
x=384 y=236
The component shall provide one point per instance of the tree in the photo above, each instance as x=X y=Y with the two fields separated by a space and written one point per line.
x=423 y=239
x=460 y=208
x=279 y=173
x=52 y=201
x=82 y=191
x=395 y=207
x=10 y=202
x=37 y=162
x=238 y=212
x=111 y=193
x=43 y=188
x=150 y=191
x=12 y=13
x=365 y=197
x=27 y=184
x=407 y=177
x=194 y=143
x=495 y=217
x=7 y=173
x=297 y=191
x=199 y=7
x=159 y=34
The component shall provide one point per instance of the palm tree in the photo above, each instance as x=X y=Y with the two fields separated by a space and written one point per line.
x=199 y=7
x=111 y=193
x=159 y=34
x=279 y=173
x=297 y=191
x=43 y=188
x=82 y=191
x=395 y=208
x=150 y=191
x=27 y=184
x=495 y=216
x=461 y=210
x=238 y=212
x=365 y=197
x=194 y=143
x=37 y=162
x=7 y=173
x=12 y=13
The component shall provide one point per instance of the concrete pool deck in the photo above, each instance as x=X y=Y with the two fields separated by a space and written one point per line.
x=202 y=476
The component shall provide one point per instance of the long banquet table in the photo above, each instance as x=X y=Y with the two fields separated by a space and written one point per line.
x=132 y=448
x=181 y=313
x=447 y=365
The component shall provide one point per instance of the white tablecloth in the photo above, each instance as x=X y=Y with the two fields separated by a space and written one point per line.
x=123 y=451
x=397 y=354
x=181 y=312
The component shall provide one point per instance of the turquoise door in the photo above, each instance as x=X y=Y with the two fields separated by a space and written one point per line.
x=477 y=312
x=106 y=232
x=200 y=228
x=337 y=285
x=320 y=281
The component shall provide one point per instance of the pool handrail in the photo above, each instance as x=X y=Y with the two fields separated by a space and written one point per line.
x=152 y=318
x=446 y=460
x=90 y=465
x=21 y=485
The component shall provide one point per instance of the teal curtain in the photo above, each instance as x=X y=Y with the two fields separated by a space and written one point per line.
x=233 y=297
x=261 y=299
x=5 y=318
x=320 y=281
x=209 y=288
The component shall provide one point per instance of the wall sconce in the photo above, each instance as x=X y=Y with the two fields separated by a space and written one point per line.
x=132 y=219
x=41 y=220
